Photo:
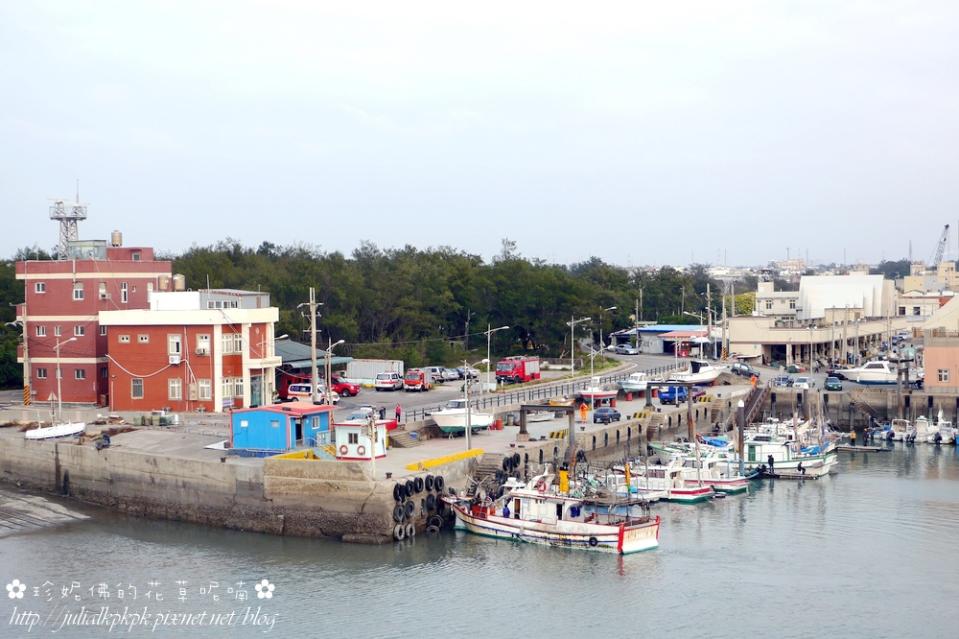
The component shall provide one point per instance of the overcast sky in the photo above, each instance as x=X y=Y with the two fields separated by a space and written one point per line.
x=642 y=132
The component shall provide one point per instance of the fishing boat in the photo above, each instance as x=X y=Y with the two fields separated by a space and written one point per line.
x=713 y=471
x=452 y=418
x=902 y=429
x=925 y=430
x=942 y=432
x=700 y=372
x=671 y=479
x=786 y=457
x=880 y=373
x=55 y=431
x=635 y=383
x=541 y=513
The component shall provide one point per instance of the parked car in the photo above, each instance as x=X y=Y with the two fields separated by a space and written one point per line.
x=606 y=415
x=450 y=375
x=435 y=373
x=744 y=369
x=344 y=388
x=833 y=384
x=469 y=371
x=782 y=381
x=625 y=349
x=388 y=381
x=837 y=372
x=795 y=368
x=804 y=383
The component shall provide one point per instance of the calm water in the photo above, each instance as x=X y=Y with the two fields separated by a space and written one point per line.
x=870 y=552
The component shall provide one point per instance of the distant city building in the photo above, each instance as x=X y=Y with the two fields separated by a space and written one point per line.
x=941 y=278
x=873 y=294
x=773 y=303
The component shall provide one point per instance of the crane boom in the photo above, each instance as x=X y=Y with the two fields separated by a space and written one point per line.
x=941 y=247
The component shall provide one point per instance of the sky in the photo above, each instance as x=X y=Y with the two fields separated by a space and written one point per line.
x=639 y=132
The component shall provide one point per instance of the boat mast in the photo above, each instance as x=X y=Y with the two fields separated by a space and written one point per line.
x=692 y=432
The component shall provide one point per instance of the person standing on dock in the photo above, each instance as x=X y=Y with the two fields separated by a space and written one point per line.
x=398 y=413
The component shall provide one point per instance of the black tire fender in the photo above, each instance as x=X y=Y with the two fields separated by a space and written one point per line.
x=399 y=532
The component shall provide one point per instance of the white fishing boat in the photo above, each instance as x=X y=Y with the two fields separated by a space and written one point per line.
x=700 y=372
x=721 y=474
x=68 y=429
x=539 y=513
x=879 y=373
x=635 y=383
x=452 y=418
x=925 y=430
x=595 y=392
x=902 y=429
x=671 y=479
x=942 y=432
x=540 y=416
x=782 y=457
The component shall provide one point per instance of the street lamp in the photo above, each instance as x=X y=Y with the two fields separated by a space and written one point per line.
x=59 y=392
x=699 y=315
x=328 y=372
x=466 y=394
x=602 y=344
x=572 y=341
x=489 y=333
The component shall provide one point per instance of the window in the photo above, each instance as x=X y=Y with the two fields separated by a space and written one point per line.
x=244 y=423
x=41 y=373
x=102 y=291
x=238 y=387
x=136 y=388
x=227 y=344
x=79 y=373
x=769 y=305
x=354 y=438
x=79 y=331
x=124 y=293
x=40 y=287
x=77 y=291
x=143 y=339
x=56 y=331
x=203 y=344
x=226 y=387
x=123 y=339
x=175 y=389
x=149 y=288
x=275 y=423
x=902 y=310
x=174 y=347
x=103 y=373
x=792 y=305
x=238 y=342
x=915 y=310
x=205 y=389
x=103 y=331
x=136 y=256
x=943 y=374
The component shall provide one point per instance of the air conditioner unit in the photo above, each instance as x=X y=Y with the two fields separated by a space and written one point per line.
x=203 y=350
x=174 y=360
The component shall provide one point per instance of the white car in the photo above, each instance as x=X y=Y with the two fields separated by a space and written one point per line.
x=388 y=381
x=450 y=375
x=303 y=392
x=804 y=383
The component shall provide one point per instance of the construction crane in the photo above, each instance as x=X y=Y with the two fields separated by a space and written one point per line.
x=941 y=247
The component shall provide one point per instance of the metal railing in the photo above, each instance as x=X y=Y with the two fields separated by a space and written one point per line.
x=540 y=392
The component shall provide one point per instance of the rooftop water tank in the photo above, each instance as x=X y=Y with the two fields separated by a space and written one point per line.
x=179 y=282
x=116 y=239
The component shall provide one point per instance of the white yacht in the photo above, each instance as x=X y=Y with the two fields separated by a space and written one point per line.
x=879 y=372
x=635 y=383
x=700 y=372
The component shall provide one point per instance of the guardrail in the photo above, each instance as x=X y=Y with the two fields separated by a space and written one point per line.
x=538 y=392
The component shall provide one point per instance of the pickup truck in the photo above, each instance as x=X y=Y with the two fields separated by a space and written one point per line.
x=678 y=394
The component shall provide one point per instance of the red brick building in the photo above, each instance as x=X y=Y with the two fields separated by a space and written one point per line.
x=192 y=351
x=63 y=300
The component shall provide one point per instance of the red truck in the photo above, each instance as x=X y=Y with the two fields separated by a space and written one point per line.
x=340 y=387
x=518 y=368
x=417 y=380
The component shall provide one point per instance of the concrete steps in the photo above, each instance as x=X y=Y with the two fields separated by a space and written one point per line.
x=403 y=439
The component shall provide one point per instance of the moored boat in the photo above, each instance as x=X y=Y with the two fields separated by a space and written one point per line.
x=540 y=513
x=55 y=431
x=452 y=418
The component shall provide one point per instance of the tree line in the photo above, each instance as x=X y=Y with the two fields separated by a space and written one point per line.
x=414 y=304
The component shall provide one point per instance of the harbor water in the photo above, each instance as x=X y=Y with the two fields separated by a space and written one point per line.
x=872 y=551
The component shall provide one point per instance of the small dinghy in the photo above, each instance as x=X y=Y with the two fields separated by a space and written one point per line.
x=55 y=431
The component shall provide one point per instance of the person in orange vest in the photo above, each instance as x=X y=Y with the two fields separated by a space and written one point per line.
x=753 y=380
x=582 y=412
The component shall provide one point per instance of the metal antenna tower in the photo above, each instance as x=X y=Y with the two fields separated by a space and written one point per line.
x=68 y=215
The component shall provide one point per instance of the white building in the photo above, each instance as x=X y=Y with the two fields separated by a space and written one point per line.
x=873 y=294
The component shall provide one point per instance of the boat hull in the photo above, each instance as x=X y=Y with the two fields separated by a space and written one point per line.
x=621 y=539
x=455 y=423
x=55 y=431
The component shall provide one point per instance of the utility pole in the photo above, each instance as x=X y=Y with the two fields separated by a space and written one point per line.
x=709 y=321
x=724 y=353
x=313 y=369
x=640 y=303
x=469 y=314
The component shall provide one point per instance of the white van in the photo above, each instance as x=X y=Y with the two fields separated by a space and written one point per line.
x=303 y=393
x=435 y=373
x=388 y=381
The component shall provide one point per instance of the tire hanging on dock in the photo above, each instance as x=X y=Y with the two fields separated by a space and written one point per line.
x=438 y=483
x=410 y=488
x=430 y=503
x=516 y=460
x=409 y=508
x=398 y=492
x=398 y=513
x=432 y=531
x=399 y=532
x=435 y=520
x=410 y=531
x=418 y=484
x=506 y=463
x=428 y=483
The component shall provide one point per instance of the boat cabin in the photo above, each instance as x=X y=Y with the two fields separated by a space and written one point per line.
x=352 y=440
